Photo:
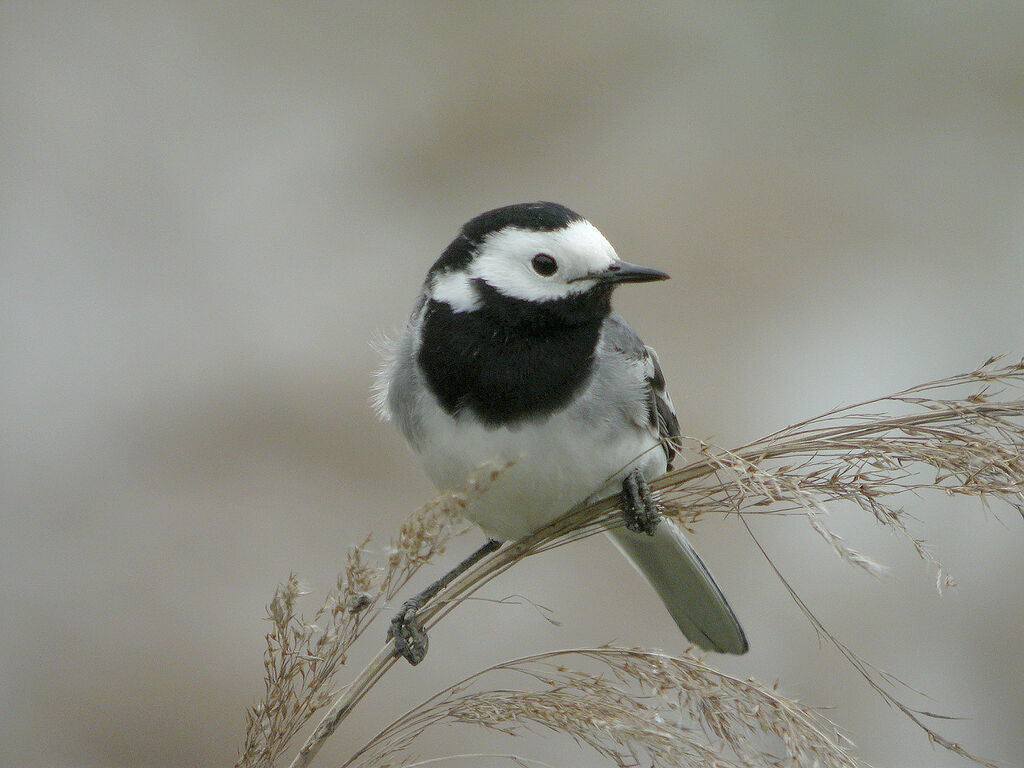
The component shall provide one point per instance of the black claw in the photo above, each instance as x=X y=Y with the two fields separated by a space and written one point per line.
x=411 y=641
x=640 y=507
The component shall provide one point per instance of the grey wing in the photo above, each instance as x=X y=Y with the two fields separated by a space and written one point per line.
x=660 y=413
x=667 y=560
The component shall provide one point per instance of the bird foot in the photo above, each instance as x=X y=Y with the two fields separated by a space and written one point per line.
x=410 y=638
x=640 y=506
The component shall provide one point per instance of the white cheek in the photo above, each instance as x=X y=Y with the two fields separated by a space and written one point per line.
x=455 y=290
x=517 y=279
x=503 y=261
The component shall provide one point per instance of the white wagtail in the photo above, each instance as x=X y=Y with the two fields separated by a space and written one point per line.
x=513 y=354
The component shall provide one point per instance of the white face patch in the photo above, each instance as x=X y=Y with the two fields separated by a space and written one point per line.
x=504 y=261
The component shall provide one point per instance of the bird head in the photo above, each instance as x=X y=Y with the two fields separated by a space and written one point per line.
x=533 y=252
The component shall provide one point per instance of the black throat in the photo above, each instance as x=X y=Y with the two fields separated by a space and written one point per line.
x=511 y=360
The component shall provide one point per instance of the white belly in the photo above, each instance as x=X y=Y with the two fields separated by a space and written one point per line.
x=556 y=463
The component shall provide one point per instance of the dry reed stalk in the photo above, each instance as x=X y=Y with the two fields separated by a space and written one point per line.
x=972 y=443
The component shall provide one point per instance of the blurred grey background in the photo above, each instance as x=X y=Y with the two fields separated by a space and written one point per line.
x=207 y=212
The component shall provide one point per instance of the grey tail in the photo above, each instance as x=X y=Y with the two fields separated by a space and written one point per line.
x=682 y=581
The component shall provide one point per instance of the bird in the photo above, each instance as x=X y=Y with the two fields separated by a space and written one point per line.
x=512 y=354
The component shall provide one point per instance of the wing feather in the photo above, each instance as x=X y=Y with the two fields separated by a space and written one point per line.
x=660 y=412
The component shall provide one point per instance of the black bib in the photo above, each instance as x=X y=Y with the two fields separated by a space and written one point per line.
x=511 y=359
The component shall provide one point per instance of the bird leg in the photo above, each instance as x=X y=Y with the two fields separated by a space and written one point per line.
x=639 y=505
x=410 y=638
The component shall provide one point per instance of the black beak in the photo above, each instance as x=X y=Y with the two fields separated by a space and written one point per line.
x=624 y=272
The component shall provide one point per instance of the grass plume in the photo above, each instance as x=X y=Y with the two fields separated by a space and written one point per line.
x=638 y=707
x=302 y=656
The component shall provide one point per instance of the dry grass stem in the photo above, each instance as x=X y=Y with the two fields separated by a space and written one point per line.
x=876 y=678
x=962 y=436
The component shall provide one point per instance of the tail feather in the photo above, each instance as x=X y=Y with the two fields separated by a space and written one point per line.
x=693 y=599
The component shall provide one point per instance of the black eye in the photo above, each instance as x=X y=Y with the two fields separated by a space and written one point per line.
x=544 y=265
